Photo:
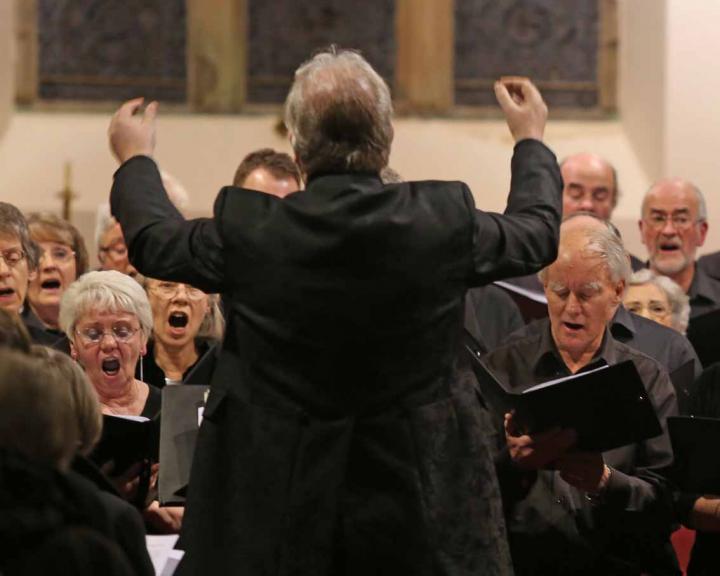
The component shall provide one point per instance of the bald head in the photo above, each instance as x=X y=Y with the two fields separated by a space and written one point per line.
x=590 y=185
x=339 y=115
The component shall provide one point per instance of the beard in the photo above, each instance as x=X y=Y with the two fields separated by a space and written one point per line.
x=670 y=267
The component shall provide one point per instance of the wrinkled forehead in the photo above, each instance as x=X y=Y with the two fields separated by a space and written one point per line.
x=110 y=313
x=588 y=171
x=577 y=269
x=646 y=293
x=671 y=198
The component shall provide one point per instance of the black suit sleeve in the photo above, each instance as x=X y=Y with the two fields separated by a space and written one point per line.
x=161 y=243
x=525 y=238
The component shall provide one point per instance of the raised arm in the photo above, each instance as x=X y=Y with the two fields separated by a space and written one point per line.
x=162 y=244
x=524 y=239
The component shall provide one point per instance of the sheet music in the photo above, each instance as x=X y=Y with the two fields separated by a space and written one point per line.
x=164 y=557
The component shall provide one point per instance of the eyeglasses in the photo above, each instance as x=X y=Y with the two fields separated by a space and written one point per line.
x=116 y=251
x=93 y=334
x=60 y=254
x=170 y=290
x=12 y=256
x=658 y=221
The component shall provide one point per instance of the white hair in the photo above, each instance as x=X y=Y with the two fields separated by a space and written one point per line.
x=107 y=290
x=679 y=301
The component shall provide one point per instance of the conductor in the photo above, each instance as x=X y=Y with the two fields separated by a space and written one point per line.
x=334 y=440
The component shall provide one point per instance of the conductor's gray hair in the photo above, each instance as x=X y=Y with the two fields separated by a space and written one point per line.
x=339 y=114
x=107 y=290
x=679 y=301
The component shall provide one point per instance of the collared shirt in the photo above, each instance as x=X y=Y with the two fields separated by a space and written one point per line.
x=553 y=527
x=667 y=346
x=704 y=293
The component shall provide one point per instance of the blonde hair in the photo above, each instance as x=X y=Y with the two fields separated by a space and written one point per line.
x=82 y=396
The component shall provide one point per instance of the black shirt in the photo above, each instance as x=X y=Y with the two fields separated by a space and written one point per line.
x=152 y=373
x=704 y=293
x=553 y=528
x=710 y=264
x=153 y=403
x=41 y=334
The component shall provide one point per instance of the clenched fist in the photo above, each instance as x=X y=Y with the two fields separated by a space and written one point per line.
x=132 y=134
x=523 y=106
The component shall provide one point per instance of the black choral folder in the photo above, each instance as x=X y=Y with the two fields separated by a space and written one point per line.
x=126 y=440
x=682 y=379
x=608 y=407
x=182 y=407
x=694 y=442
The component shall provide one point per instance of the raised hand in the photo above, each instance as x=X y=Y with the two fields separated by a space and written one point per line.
x=523 y=106
x=130 y=133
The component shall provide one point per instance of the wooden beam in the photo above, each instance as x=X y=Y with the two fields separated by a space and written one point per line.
x=425 y=54
x=26 y=66
x=217 y=55
x=608 y=55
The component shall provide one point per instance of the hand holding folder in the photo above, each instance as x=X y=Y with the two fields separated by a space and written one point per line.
x=607 y=407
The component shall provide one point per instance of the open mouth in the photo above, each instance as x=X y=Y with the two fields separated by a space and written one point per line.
x=669 y=247
x=6 y=292
x=178 y=319
x=111 y=366
x=50 y=284
x=572 y=326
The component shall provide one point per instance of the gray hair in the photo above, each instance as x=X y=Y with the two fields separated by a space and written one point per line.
x=103 y=222
x=606 y=243
x=13 y=223
x=679 y=301
x=108 y=290
x=339 y=114
x=213 y=325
